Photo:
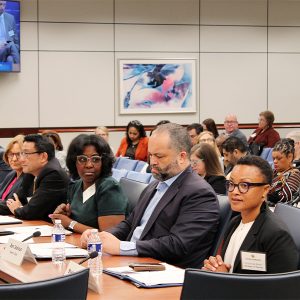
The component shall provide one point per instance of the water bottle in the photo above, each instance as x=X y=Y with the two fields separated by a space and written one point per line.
x=58 y=243
x=95 y=244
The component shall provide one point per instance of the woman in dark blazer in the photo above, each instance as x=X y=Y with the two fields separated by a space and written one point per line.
x=256 y=240
x=14 y=178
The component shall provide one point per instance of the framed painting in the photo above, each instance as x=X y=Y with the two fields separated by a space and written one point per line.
x=149 y=86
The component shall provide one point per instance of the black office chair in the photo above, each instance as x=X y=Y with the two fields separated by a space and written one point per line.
x=72 y=286
x=132 y=189
x=290 y=215
x=216 y=286
x=225 y=215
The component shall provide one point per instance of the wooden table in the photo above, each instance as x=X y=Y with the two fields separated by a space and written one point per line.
x=111 y=287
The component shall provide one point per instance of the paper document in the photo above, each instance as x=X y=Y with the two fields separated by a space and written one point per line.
x=9 y=220
x=172 y=276
x=46 y=230
x=44 y=250
x=19 y=237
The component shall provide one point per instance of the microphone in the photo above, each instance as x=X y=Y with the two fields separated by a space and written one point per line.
x=91 y=255
x=35 y=234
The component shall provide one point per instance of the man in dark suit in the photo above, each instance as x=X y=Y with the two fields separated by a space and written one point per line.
x=9 y=39
x=45 y=183
x=176 y=217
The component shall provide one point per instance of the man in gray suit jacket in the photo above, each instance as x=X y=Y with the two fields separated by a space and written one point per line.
x=176 y=217
x=9 y=39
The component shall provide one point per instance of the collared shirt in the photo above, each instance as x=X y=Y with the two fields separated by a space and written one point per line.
x=129 y=248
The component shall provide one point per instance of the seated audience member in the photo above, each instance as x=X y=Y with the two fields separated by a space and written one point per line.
x=104 y=133
x=210 y=125
x=58 y=146
x=295 y=136
x=205 y=162
x=135 y=144
x=4 y=168
x=194 y=130
x=177 y=216
x=233 y=150
x=44 y=184
x=13 y=180
x=256 y=233
x=96 y=199
x=286 y=181
x=231 y=126
x=265 y=135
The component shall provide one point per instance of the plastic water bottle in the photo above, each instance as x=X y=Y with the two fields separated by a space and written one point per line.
x=58 y=243
x=95 y=244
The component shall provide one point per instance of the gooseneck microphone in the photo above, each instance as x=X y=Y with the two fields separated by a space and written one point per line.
x=35 y=234
x=91 y=255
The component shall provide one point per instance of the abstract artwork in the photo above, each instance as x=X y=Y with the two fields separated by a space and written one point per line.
x=157 y=86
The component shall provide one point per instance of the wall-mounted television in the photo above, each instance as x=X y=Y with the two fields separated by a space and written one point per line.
x=9 y=36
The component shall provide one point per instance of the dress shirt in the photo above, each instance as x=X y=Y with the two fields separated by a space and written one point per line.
x=129 y=248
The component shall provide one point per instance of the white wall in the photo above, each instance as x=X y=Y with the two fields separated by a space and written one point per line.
x=247 y=54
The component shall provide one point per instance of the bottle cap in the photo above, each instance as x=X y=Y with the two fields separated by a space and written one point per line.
x=57 y=221
x=94 y=230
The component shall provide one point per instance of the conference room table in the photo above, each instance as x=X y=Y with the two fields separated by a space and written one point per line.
x=110 y=287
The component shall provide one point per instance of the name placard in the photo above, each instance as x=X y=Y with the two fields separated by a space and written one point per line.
x=16 y=252
x=95 y=283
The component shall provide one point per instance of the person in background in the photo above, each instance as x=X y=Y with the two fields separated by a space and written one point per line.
x=4 y=168
x=177 y=215
x=233 y=149
x=194 y=130
x=295 y=136
x=96 y=199
x=231 y=126
x=205 y=161
x=45 y=183
x=210 y=125
x=265 y=135
x=286 y=182
x=135 y=144
x=58 y=146
x=104 y=133
x=257 y=233
x=13 y=180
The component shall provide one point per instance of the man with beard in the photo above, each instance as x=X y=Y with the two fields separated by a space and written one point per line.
x=176 y=217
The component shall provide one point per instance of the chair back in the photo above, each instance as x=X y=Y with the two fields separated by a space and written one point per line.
x=72 y=286
x=215 y=286
x=137 y=176
x=126 y=163
x=118 y=174
x=225 y=215
x=140 y=165
x=290 y=215
x=132 y=189
x=265 y=152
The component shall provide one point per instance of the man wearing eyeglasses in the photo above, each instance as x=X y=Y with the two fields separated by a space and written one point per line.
x=176 y=217
x=45 y=183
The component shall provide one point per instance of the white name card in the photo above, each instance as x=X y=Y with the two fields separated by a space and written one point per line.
x=94 y=282
x=16 y=252
x=254 y=261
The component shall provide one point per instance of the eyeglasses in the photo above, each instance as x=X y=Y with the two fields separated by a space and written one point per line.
x=230 y=122
x=26 y=154
x=83 y=159
x=11 y=155
x=242 y=186
x=194 y=163
x=206 y=140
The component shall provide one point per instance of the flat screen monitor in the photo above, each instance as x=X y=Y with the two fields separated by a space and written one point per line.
x=9 y=36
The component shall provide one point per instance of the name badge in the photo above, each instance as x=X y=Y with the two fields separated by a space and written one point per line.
x=11 y=33
x=16 y=252
x=254 y=261
x=94 y=283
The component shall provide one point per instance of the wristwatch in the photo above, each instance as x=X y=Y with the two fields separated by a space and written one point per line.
x=72 y=224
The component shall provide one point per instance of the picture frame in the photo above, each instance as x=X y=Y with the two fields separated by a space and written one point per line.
x=156 y=86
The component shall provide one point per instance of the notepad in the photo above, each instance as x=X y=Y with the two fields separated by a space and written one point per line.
x=172 y=276
x=45 y=230
x=4 y=220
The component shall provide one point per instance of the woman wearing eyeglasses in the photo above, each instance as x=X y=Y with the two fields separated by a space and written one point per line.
x=205 y=162
x=256 y=241
x=13 y=179
x=135 y=144
x=95 y=200
x=286 y=182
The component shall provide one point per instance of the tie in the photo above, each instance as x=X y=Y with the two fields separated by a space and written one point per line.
x=34 y=185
